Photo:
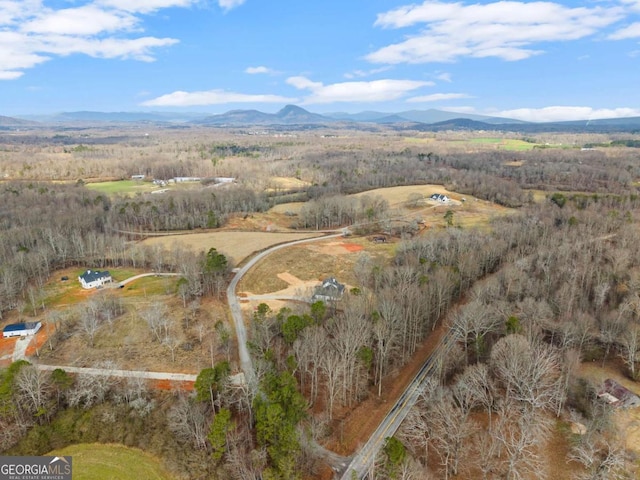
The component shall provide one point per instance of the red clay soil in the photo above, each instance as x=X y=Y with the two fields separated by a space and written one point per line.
x=351 y=247
x=38 y=341
x=7 y=346
x=170 y=385
x=359 y=423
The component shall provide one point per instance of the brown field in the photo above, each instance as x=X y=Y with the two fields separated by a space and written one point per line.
x=310 y=263
x=399 y=195
x=128 y=342
x=286 y=183
x=235 y=245
x=287 y=207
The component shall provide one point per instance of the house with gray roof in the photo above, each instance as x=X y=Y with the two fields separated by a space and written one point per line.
x=329 y=290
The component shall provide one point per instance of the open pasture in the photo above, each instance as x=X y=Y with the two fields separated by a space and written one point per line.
x=122 y=187
x=234 y=245
x=286 y=183
x=396 y=196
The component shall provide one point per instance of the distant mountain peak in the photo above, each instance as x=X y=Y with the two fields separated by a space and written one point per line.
x=292 y=109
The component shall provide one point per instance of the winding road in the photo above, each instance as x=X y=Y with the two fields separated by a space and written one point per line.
x=234 y=302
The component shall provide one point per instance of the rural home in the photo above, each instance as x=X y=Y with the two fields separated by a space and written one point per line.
x=21 y=329
x=329 y=290
x=617 y=395
x=137 y=177
x=94 y=278
x=439 y=197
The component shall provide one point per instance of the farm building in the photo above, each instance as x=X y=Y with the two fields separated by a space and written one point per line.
x=439 y=197
x=224 y=179
x=21 y=329
x=94 y=278
x=617 y=395
x=329 y=290
x=186 y=179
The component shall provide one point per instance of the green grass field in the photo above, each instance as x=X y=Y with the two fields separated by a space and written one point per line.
x=504 y=143
x=65 y=293
x=122 y=187
x=112 y=462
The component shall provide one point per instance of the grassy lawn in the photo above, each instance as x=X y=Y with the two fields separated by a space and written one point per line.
x=111 y=462
x=64 y=293
x=504 y=143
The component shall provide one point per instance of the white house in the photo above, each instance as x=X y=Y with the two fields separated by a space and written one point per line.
x=21 y=329
x=439 y=197
x=94 y=279
x=137 y=177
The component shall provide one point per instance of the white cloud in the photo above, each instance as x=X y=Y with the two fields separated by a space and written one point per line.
x=504 y=29
x=365 y=73
x=227 y=5
x=145 y=6
x=86 y=20
x=258 y=70
x=444 y=76
x=212 y=97
x=32 y=33
x=373 y=91
x=437 y=97
x=565 y=113
x=632 y=31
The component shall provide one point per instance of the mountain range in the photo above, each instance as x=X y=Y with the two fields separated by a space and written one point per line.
x=291 y=115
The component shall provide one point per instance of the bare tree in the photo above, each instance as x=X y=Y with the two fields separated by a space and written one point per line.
x=333 y=368
x=34 y=389
x=602 y=457
x=451 y=431
x=156 y=317
x=90 y=389
x=521 y=437
x=530 y=374
x=630 y=347
x=385 y=333
x=475 y=387
x=189 y=422
x=89 y=324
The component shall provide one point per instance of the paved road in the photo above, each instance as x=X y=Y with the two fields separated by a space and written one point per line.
x=234 y=303
x=363 y=462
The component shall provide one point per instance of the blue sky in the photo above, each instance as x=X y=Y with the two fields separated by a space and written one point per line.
x=537 y=61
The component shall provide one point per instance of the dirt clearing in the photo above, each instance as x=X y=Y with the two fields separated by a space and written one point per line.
x=313 y=262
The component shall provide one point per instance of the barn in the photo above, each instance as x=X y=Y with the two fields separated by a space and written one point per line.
x=21 y=329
